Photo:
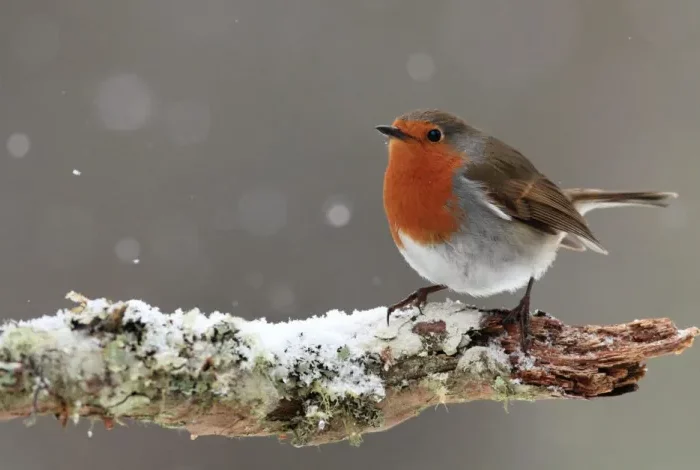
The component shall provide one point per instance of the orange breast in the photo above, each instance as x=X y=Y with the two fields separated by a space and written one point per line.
x=418 y=196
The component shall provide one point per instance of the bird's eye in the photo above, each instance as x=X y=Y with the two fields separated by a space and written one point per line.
x=434 y=135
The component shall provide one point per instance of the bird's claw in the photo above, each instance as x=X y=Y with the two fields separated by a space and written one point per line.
x=417 y=299
x=521 y=313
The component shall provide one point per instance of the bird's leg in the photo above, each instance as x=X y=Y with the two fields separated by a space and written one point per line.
x=418 y=298
x=522 y=313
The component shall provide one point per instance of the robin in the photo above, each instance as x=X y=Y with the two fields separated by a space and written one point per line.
x=472 y=214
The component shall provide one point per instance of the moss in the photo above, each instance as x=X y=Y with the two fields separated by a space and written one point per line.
x=437 y=383
x=323 y=411
x=355 y=439
x=363 y=411
x=507 y=389
x=183 y=384
x=503 y=391
x=129 y=405
x=302 y=433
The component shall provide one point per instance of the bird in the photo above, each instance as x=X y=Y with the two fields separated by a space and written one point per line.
x=471 y=214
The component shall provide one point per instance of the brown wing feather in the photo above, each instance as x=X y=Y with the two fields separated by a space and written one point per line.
x=516 y=187
x=572 y=243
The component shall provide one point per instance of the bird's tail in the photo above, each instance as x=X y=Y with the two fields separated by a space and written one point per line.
x=586 y=200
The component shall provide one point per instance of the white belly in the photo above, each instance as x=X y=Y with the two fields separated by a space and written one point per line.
x=481 y=266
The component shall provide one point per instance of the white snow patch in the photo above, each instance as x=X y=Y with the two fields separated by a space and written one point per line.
x=59 y=336
x=483 y=359
x=43 y=323
x=337 y=341
x=526 y=361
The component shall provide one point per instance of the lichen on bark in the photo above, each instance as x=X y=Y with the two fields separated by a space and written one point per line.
x=323 y=379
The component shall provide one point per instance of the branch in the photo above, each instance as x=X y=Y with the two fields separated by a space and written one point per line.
x=314 y=381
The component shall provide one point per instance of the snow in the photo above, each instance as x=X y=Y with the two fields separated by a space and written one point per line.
x=328 y=351
x=83 y=353
x=483 y=360
x=43 y=323
x=289 y=347
x=337 y=340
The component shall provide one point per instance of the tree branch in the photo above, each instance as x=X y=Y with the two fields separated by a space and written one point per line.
x=314 y=381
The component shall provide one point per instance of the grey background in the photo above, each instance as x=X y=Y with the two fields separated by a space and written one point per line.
x=228 y=146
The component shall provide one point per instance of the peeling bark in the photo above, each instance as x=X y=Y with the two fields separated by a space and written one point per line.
x=314 y=381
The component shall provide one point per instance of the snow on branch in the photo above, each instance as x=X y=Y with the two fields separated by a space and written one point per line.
x=313 y=381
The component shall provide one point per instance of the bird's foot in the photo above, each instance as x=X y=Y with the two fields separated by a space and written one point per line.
x=418 y=299
x=521 y=314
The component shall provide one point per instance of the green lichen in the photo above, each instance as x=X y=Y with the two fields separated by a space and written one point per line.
x=129 y=405
x=8 y=374
x=262 y=365
x=258 y=392
x=355 y=438
x=503 y=391
x=302 y=432
x=484 y=363
x=507 y=390
x=116 y=357
x=344 y=353
x=21 y=342
x=437 y=383
x=323 y=412
x=363 y=411
x=125 y=363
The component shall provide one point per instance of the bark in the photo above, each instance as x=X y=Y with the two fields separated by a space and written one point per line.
x=320 y=380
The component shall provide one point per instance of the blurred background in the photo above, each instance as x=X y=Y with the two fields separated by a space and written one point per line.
x=221 y=154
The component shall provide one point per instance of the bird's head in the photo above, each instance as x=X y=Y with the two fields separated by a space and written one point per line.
x=426 y=135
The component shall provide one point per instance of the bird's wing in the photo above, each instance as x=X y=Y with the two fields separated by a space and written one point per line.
x=572 y=242
x=515 y=189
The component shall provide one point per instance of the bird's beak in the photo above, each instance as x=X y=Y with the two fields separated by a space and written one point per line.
x=391 y=131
